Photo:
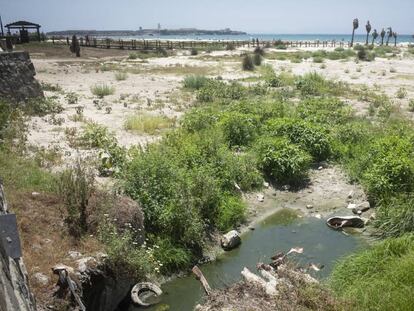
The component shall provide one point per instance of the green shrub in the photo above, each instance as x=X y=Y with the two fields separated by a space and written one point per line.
x=318 y=60
x=324 y=111
x=230 y=47
x=133 y=55
x=75 y=188
x=264 y=108
x=380 y=278
x=195 y=82
x=312 y=138
x=172 y=257
x=181 y=181
x=411 y=105
x=364 y=55
x=72 y=98
x=259 y=51
x=43 y=106
x=219 y=90
x=282 y=161
x=247 y=63
x=257 y=59
x=231 y=213
x=239 y=129
x=311 y=84
x=126 y=256
x=391 y=169
x=198 y=119
x=102 y=90
x=95 y=135
x=401 y=93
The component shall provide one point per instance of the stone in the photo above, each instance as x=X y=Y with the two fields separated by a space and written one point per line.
x=17 y=81
x=266 y=184
x=309 y=206
x=230 y=240
x=85 y=263
x=74 y=254
x=260 y=197
x=351 y=206
x=41 y=278
x=35 y=194
x=351 y=194
x=361 y=208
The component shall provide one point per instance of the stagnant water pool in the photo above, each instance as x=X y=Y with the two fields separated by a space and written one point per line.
x=279 y=232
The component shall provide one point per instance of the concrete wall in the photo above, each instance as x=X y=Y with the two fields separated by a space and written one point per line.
x=17 y=82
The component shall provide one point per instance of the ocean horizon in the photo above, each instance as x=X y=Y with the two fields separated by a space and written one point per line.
x=266 y=37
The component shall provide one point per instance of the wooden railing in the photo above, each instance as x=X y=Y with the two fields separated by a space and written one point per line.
x=144 y=44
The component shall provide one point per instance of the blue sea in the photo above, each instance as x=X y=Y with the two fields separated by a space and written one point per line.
x=269 y=37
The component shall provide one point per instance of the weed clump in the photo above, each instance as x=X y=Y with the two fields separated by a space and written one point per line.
x=120 y=76
x=75 y=187
x=149 y=124
x=195 y=82
x=247 y=63
x=102 y=90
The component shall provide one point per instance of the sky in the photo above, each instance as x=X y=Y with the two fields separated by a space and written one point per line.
x=252 y=16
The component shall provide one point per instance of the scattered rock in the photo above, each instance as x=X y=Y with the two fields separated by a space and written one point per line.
x=351 y=194
x=266 y=184
x=35 y=194
x=361 y=208
x=230 y=240
x=74 y=254
x=85 y=263
x=320 y=168
x=286 y=187
x=260 y=197
x=351 y=206
x=252 y=228
x=309 y=206
x=41 y=278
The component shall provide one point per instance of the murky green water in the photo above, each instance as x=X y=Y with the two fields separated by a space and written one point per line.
x=280 y=232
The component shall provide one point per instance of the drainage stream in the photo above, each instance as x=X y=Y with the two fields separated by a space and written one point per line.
x=278 y=232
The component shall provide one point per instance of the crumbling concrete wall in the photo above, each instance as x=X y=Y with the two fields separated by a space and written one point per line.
x=17 y=82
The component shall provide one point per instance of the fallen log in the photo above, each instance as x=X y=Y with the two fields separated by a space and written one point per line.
x=200 y=276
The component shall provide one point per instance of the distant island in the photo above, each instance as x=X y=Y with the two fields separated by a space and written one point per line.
x=146 y=32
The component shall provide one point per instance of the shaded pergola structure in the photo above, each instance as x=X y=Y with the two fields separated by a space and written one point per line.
x=24 y=27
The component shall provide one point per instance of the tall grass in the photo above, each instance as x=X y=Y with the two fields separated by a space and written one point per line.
x=149 y=124
x=380 y=278
x=102 y=90
x=195 y=82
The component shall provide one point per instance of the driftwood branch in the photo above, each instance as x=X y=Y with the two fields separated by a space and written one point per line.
x=200 y=276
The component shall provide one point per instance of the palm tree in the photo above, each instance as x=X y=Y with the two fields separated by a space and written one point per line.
x=382 y=36
x=355 y=26
x=374 y=36
x=395 y=35
x=368 y=28
x=389 y=35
